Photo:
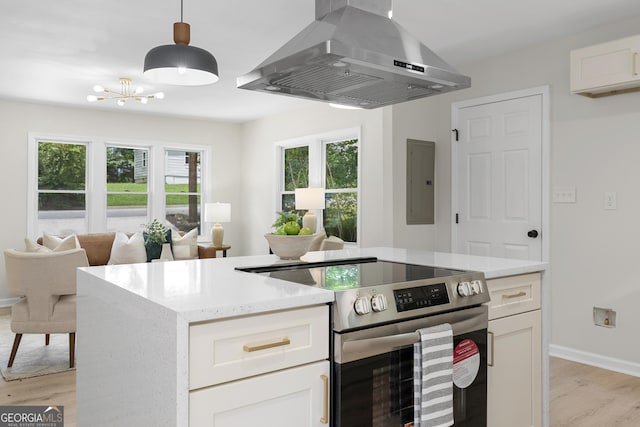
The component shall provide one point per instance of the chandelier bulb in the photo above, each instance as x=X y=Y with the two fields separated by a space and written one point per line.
x=159 y=95
x=121 y=102
x=92 y=98
x=142 y=100
x=98 y=88
x=139 y=90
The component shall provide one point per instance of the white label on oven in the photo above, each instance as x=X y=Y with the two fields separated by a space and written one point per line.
x=466 y=363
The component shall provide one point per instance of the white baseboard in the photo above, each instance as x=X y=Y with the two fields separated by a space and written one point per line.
x=592 y=359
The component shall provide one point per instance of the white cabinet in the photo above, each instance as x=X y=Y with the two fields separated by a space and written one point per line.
x=607 y=68
x=295 y=397
x=268 y=369
x=514 y=374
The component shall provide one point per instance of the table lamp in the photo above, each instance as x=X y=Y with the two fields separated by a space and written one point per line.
x=217 y=213
x=309 y=198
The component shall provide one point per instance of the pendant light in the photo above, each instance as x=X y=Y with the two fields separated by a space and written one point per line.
x=179 y=63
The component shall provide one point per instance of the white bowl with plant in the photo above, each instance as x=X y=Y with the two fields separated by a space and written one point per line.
x=289 y=240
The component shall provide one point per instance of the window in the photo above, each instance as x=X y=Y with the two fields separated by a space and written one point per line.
x=62 y=185
x=95 y=186
x=182 y=189
x=331 y=163
x=127 y=188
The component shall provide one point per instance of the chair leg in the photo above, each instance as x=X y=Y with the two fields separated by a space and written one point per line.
x=14 y=349
x=72 y=349
x=46 y=339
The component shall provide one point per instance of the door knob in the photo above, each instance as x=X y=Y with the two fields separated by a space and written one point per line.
x=533 y=234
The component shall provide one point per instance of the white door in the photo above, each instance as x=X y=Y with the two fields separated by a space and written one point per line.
x=497 y=176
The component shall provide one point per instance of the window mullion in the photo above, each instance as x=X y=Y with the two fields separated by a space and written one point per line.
x=96 y=183
x=157 y=197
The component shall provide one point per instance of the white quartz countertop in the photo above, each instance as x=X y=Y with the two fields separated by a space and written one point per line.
x=207 y=289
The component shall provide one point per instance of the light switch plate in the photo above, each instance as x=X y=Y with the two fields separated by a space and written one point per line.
x=564 y=195
x=610 y=201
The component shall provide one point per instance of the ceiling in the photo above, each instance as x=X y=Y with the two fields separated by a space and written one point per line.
x=56 y=51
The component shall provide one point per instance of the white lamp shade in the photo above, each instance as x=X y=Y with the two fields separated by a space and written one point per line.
x=217 y=212
x=309 y=198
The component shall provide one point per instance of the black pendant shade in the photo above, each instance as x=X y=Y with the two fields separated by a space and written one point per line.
x=179 y=63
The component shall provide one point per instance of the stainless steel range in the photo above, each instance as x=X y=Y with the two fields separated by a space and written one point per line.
x=379 y=307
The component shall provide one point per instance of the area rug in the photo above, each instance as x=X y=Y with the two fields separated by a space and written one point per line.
x=33 y=358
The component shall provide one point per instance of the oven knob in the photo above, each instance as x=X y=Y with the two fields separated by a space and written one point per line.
x=476 y=287
x=464 y=289
x=362 y=305
x=379 y=302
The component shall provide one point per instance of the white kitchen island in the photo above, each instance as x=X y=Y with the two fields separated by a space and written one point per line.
x=135 y=321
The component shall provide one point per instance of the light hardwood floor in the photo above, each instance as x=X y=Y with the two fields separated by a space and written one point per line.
x=581 y=395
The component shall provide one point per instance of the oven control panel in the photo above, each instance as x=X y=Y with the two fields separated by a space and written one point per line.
x=421 y=297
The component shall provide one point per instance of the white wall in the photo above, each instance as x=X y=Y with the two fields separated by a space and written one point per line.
x=17 y=119
x=259 y=176
x=595 y=146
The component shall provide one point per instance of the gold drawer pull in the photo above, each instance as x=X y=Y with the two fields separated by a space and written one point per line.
x=519 y=294
x=249 y=349
x=325 y=409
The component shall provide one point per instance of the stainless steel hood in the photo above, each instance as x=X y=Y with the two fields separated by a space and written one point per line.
x=355 y=55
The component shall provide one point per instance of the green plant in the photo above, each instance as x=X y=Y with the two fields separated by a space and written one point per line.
x=285 y=217
x=156 y=232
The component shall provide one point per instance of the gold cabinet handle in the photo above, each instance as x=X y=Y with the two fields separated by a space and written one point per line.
x=635 y=62
x=491 y=346
x=519 y=294
x=325 y=409
x=249 y=349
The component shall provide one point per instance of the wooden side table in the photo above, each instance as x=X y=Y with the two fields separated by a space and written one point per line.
x=211 y=251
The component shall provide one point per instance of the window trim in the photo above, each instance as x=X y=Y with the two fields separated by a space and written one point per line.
x=317 y=168
x=96 y=195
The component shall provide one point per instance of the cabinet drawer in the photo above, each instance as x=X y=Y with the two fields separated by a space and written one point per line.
x=242 y=347
x=514 y=294
x=295 y=397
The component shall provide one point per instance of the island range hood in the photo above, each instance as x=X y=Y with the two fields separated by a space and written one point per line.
x=353 y=54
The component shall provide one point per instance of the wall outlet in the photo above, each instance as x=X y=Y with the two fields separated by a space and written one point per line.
x=605 y=317
x=610 y=201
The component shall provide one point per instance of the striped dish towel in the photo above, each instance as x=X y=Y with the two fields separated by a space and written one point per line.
x=433 y=377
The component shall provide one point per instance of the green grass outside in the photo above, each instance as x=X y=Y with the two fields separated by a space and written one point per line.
x=141 y=199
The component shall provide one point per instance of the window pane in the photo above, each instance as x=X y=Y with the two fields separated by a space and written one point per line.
x=340 y=215
x=61 y=188
x=183 y=212
x=182 y=171
x=61 y=213
x=126 y=212
x=342 y=164
x=128 y=168
x=127 y=198
x=288 y=202
x=61 y=166
x=296 y=168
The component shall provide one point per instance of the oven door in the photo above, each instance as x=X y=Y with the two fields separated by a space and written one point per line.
x=373 y=372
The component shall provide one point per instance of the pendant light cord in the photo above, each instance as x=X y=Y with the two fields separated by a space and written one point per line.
x=181 y=7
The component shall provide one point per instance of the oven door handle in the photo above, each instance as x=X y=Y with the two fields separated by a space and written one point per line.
x=360 y=348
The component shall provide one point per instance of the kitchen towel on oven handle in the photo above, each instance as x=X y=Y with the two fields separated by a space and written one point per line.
x=433 y=377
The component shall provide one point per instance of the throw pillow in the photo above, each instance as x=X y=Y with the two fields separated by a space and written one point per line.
x=31 y=246
x=185 y=247
x=56 y=243
x=127 y=250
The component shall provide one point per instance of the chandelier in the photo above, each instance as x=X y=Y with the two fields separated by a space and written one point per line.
x=123 y=94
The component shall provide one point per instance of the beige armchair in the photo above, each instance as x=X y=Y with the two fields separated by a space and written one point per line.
x=47 y=284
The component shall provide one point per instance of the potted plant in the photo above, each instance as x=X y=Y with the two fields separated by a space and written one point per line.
x=155 y=236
